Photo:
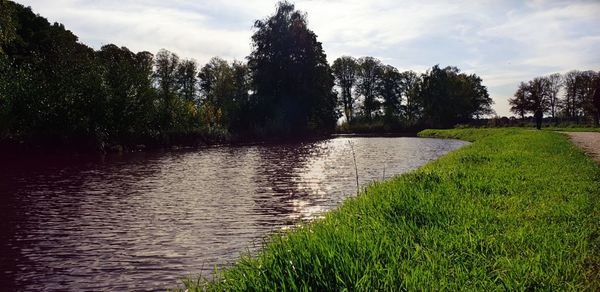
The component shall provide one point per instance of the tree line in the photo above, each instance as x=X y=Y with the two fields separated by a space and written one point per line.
x=573 y=96
x=441 y=97
x=55 y=90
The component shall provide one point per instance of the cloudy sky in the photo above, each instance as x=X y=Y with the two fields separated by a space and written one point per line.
x=504 y=42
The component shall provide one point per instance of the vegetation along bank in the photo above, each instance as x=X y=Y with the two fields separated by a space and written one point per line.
x=517 y=209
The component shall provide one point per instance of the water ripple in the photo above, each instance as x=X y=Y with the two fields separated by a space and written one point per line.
x=142 y=221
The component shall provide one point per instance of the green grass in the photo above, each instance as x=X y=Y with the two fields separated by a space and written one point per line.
x=516 y=210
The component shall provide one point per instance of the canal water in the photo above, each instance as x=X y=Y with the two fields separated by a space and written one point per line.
x=142 y=221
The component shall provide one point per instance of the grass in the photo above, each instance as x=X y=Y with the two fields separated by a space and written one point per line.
x=516 y=210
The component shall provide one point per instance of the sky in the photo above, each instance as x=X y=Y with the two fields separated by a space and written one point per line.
x=504 y=42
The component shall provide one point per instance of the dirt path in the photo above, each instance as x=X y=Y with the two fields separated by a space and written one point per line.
x=588 y=141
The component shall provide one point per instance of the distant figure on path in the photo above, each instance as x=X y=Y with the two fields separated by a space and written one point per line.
x=538 y=115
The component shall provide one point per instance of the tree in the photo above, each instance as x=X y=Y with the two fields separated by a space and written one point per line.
x=166 y=65
x=412 y=108
x=596 y=100
x=129 y=96
x=449 y=97
x=579 y=95
x=7 y=24
x=344 y=69
x=215 y=80
x=165 y=74
x=572 y=103
x=239 y=116
x=217 y=86
x=55 y=91
x=225 y=94
x=533 y=96
x=439 y=106
x=52 y=85
x=538 y=99
x=186 y=79
x=587 y=84
x=146 y=114
x=7 y=35
x=391 y=87
x=369 y=71
x=519 y=104
x=555 y=83
x=291 y=80
x=480 y=101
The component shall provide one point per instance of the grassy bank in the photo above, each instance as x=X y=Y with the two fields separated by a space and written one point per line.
x=517 y=209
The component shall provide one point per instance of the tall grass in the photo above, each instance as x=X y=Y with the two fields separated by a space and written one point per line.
x=515 y=210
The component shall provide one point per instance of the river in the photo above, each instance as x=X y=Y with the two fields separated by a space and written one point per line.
x=142 y=221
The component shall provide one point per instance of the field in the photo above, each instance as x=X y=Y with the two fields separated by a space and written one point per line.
x=516 y=210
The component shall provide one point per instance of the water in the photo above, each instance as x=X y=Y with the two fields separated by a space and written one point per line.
x=142 y=221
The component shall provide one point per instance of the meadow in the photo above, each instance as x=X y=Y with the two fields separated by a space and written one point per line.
x=515 y=210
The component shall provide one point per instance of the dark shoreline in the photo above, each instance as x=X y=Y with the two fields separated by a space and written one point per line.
x=16 y=151
x=378 y=134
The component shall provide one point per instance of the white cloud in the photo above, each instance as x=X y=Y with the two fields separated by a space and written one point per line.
x=503 y=42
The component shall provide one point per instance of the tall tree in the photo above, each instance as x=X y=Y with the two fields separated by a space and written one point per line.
x=8 y=28
x=186 y=79
x=579 y=94
x=555 y=83
x=56 y=91
x=369 y=72
x=344 y=69
x=412 y=108
x=596 y=100
x=538 y=99
x=225 y=90
x=239 y=114
x=166 y=64
x=216 y=84
x=215 y=80
x=165 y=74
x=480 y=102
x=519 y=103
x=572 y=103
x=7 y=35
x=146 y=95
x=391 y=87
x=129 y=96
x=54 y=82
x=292 y=82
x=450 y=97
x=587 y=85
x=439 y=108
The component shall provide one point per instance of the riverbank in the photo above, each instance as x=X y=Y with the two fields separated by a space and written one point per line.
x=517 y=209
x=12 y=148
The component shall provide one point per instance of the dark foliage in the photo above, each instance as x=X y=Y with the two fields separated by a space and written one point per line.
x=291 y=78
x=345 y=71
x=57 y=92
x=449 y=97
x=579 y=103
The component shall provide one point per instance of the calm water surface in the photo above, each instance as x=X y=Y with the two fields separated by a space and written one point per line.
x=142 y=221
